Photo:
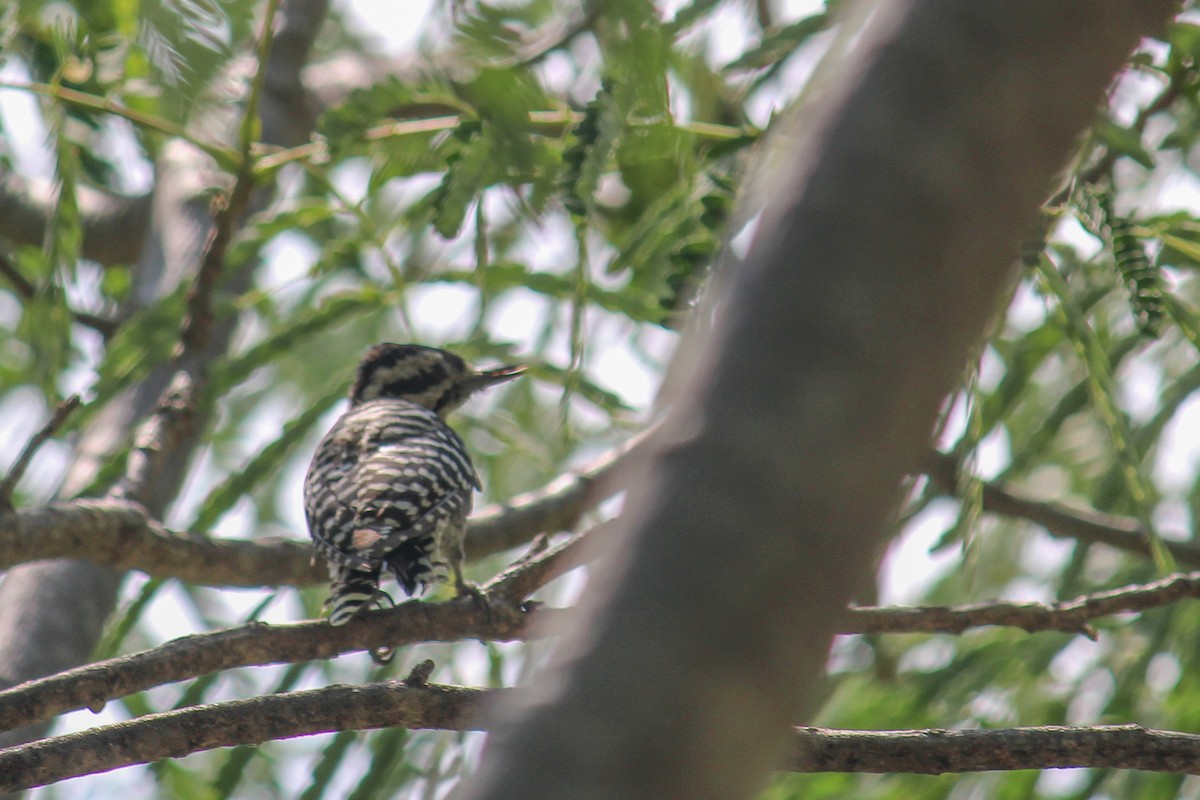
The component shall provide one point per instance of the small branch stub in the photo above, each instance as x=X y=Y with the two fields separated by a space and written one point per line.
x=419 y=676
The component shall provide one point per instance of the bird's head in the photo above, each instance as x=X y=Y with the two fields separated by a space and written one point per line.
x=436 y=379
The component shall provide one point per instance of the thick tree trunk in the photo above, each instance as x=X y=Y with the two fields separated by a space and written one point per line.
x=887 y=239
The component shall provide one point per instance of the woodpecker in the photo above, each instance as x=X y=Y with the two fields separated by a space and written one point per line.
x=391 y=485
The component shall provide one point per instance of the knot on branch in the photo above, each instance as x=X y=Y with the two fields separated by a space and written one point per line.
x=419 y=676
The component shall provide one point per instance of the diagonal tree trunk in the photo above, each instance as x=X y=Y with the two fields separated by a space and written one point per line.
x=888 y=235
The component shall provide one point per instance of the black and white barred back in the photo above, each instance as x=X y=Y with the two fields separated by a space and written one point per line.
x=391 y=485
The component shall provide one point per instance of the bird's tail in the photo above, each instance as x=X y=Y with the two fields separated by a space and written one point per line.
x=352 y=591
x=411 y=564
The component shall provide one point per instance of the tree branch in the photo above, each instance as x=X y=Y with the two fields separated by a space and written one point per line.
x=412 y=623
x=1122 y=533
x=415 y=704
x=543 y=564
x=158 y=439
x=257 y=644
x=1068 y=616
x=174 y=734
x=123 y=536
x=937 y=751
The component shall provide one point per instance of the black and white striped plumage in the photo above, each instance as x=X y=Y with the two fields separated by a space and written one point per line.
x=390 y=486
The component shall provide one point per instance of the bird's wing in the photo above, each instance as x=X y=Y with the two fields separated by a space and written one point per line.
x=386 y=473
x=404 y=487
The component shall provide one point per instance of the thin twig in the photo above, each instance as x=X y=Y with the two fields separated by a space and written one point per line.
x=534 y=570
x=198 y=321
x=57 y=419
x=556 y=506
x=548 y=123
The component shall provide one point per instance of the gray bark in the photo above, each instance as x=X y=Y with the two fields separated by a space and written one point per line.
x=890 y=233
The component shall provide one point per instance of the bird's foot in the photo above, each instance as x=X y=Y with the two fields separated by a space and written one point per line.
x=478 y=595
x=380 y=594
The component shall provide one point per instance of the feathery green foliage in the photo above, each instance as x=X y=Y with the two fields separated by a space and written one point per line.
x=552 y=185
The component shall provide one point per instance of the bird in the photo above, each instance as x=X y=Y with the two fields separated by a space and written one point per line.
x=391 y=484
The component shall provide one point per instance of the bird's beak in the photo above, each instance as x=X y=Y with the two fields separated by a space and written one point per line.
x=486 y=378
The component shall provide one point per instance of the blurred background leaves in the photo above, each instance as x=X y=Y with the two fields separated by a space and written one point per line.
x=549 y=183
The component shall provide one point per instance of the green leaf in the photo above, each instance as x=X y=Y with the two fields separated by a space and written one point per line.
x=689 y=15
x=653 y=161
x=187 y=45
x=326 y=767
x=504 y=99
x=343 y=125
x=387 y=758
x=586 y=158
x=1125 y=141
x=120 y=626
x=45 y=326
x=468 y=171
x=403 y=157
x=637 y=49
x=1104 y=400
x=1185 y=36
x=1181 y=247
